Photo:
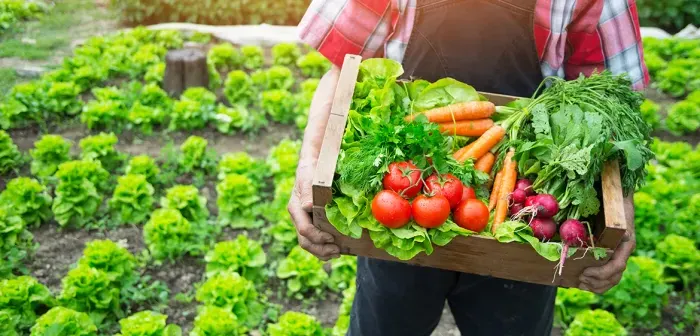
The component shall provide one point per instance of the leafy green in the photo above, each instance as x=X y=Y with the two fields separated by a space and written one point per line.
x=224 y=57
x=641 y=294
x=445 y=91
x=239 y=88
x=102 y=114
x=16 y=242
x=23 y=298
x=230 y=119
x=145 y=117
x=187 y=115
x=187 y=200
x=571 y=301
x=60 y=321
x=63 y=98
x=230 y=291
x=279 y=104
x=215 y=321
x=169 y=235
x=283 y=159
x=155 y=73
x=147 y=323
x=243 y=164
x=132 y=199
x=343 y=272
x=252 y=57
x=295 y=324
x=195 y=157
x=313 y=64
x=516 y=231
x=243 y=256
x=595 y=322
x=683 y=117
x=275 y=78
x=650 y=113
x=143 y=165
x=89 y=290
x=9 y=154
x=27 y=198
x=237 y=197
x=78 y=192
x=302 y=272
x=681 y=258
x=111 y=258
x=285 y=53
x=101 y=147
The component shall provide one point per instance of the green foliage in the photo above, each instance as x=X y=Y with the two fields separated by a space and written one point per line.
x=63 y=98
x=101 y=147
x=282 y=231
x=230 y=119
x=672 y=15
x=224 y=57
x=237 y=197
x=285 y=53
x=27 y=198
x=680 y=257
x=283 y=159
x=13 y=11
x=16 y=242
x=132 y=199
x=243 y=164
x=595 y=322
x=238 y=88
x=49 y=151
x=10 y=157
x=78 y=194
x=23 y=298
x=194 y=109
x=243 y=256
x=275 y=78
x=571 y=301
x=650 y=113
x=342 y=324
x=230 y=291
x=187 y=200
x=302 y=271
x=215 y=321
x=195 y=157
x=641 y=294
x=313 y=64
x=147 y=323
x=343 y=272
x=155 y=73
x=60 y=321
x=169 y=235
x=647 y=215
x=102 y=115
x=145 y=117
x=117 y=263
x=252 y=57
x=296 y=324
x=89 y=290
x=199 y=37
x=144 y=165
x=683 y=117
x=279 y=104
x=14 y=114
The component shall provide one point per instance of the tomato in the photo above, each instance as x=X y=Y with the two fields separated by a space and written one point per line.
x=447 y=185
x=430 y=211
x=403 y=178
x=468 y=193
x=472 y=214
x=390 y=209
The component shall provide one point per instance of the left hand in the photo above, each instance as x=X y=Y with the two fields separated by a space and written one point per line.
x=601 y=279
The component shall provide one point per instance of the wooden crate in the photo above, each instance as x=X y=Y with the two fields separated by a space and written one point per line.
x=473 y=254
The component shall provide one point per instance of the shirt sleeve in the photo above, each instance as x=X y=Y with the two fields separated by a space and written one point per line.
x=614 y=43
x=339 y=27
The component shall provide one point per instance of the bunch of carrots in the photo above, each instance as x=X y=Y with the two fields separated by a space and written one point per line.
x=473 y=119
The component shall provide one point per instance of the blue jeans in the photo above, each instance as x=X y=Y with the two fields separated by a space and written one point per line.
x=405 y=300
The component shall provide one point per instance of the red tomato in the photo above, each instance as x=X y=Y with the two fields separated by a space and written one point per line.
x=472 y=214
x=468 y=193
x=446 y=185
x=390 y=209
x=403 y=178
x=430 y=211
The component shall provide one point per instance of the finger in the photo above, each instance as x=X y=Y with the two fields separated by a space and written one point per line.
x=321 y=251
x=616 y=264
x=303 y=190
x=302 y=221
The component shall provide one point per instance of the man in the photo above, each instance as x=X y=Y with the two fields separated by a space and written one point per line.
x=500 y=46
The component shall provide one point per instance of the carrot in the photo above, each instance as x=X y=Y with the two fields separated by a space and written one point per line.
x=484 y=143
x=496 y=188
x=462 y=150
x=467 y=127
x=510 y=175
x=459 y=111
x=485 y=162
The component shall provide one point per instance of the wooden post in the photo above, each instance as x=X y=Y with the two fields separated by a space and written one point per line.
x=185 y=68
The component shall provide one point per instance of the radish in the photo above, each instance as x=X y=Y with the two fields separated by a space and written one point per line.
x=546 y=206
x=543 y=228
x=525 y=185
x=515 y=208
x=518 y=196
x=530 y=201
x=572 y=233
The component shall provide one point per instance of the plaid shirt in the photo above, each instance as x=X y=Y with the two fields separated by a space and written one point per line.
x=572 y=37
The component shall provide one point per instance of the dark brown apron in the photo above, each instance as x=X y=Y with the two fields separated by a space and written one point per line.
x=488 y=44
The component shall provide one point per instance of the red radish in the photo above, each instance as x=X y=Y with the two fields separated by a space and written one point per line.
x=546 y=206
x=515 y=208
x=543 y=228
x=518 y=196
x=572 y=233
x=530 y=201
x=525 y=185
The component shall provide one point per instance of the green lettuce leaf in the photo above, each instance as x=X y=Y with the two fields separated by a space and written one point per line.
x=445 y=91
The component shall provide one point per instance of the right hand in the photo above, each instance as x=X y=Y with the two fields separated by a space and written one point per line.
x=319 y=243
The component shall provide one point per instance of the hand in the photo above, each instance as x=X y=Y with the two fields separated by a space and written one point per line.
x=601 y=279
x=312 y=239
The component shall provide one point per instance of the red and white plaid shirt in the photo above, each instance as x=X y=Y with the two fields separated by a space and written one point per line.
x=572 y=37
